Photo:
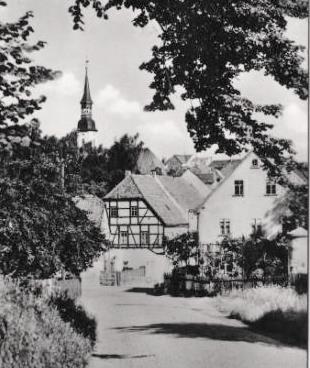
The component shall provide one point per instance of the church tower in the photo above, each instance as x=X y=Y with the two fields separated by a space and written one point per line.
x=86 y=130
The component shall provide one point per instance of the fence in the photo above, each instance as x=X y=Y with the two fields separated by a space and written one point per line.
x=125 y=277
x=187 y=284
x=69 y=287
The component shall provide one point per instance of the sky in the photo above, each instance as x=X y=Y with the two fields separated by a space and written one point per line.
x=115 y=49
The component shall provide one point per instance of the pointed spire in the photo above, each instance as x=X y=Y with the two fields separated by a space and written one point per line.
x=86 y=99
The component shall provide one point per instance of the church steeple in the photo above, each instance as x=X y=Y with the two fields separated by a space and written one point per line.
x=86 y=99
x=86 y=126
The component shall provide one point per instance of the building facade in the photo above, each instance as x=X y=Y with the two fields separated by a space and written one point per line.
x=245 y=200
x=143 y=209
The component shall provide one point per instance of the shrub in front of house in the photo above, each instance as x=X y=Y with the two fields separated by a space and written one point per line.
x=32 y=334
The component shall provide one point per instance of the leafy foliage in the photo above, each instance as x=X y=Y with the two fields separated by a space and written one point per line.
x=205 y=46
x=183 y=249
x=42 y=232
x=32 y=334
x=256 y=254
x=100 y=170
x=18 y=76
x=75 y=314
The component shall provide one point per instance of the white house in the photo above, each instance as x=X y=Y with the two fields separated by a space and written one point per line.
x=244 y=200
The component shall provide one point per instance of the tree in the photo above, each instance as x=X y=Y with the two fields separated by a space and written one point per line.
x=122 y=157
x=256 y=253
x=42 y=231
x=183 y=250
x=18 y=75
x=204 y=46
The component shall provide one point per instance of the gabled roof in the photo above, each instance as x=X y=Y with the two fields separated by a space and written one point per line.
x=230 y=168
x=169 y=197
x=127 y=188
x=181 y=158
x=183 y=192
x=147 y=162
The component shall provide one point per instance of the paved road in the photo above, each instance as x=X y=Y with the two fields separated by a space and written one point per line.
x=136 y=329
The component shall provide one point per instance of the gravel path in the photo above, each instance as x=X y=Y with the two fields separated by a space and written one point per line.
x=136 y=329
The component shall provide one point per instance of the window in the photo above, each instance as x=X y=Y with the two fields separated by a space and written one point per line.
x=134 y=211
x=239 y=187
x=271 y=188
x=114 y=212
x=145 y=237
x=124 y=237
x=254 y=163
x=257 y=226
x=225 y=227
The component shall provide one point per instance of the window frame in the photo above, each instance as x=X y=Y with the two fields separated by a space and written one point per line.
x=255 y=166
x=134 y=209
x=121 y=237
x=272 y=186
x=114 y=212
x=147 y=234
x=239 y=188
x=225 y=227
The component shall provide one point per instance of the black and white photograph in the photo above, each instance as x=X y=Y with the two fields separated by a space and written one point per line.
x=154 y=183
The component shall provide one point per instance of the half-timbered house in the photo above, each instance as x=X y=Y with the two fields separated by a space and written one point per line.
x=142 y=209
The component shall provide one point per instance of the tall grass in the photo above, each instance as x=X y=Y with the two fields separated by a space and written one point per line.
x=33 y=334
x=272 y=309
x=252 y=304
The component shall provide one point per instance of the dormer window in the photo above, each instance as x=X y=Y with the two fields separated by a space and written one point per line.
x=271 y=188
x=254 y=163
x=239 y=188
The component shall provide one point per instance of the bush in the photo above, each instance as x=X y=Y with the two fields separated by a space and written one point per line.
x=273 y=309
x=32 y=334
x=75 y=314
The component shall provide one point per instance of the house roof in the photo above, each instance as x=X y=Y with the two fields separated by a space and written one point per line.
x=229 y=169
x=148 y=161
x=300 y=232
x=215 y=171
x=169 y=197
x=181 y=158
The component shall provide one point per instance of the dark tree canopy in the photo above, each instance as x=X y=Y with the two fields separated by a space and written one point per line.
x=42 y=231
x=18 y=76
x=94 y=170
x=203 y=47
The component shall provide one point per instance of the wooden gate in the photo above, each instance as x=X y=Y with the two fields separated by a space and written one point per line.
x=126 y=277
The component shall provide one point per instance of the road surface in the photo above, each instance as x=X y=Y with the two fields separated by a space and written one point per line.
x=136 y=329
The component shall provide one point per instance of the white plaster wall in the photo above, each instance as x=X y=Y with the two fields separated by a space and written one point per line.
x=241 y=210
x=86 y=137
x=156 y=265
x=298 y=255
x=172 y=232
